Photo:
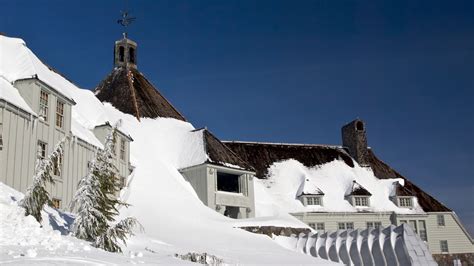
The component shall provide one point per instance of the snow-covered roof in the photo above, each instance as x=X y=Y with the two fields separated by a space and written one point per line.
x=11 y=95
x=310 y=188
x=358 y=190
x=19 y=62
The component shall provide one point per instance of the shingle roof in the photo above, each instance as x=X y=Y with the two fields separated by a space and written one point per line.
x=139 y=97
x=220 y=154
x=262 y=155
x=383 y=171
x=358 y=190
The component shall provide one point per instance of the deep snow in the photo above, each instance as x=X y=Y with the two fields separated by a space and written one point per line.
x=174 y=219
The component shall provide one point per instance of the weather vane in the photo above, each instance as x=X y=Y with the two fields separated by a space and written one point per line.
x=125 y=20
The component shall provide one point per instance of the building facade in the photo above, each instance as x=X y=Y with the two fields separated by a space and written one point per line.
x=435 y=223
x=34 y=118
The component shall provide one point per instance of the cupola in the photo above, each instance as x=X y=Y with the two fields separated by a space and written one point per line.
x=125 y=53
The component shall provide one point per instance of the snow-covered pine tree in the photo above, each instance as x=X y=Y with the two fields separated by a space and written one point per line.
x=110 y=239
x=96 y=202
x=37 y=195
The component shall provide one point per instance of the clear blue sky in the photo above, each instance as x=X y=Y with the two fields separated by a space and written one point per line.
x=292 y=71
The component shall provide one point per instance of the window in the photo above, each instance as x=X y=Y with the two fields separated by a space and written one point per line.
x=228 y=182
x=43 y=112
x=443 y=244
x=1 y=138
x=121 y=53
x=313 y=200
x=403 y=221
x=413 y=226
x=56 y=203
x=312 y=225
x=360 y=126
x=59 y=114
x=122 y=149
x=42 y=148
x=440 y=219
x=361 y=201
x=423 y=234
x=405 y=202
x=374 y=224
x=58 y=164
x=320 y=226
x=344 y=226
x=131 y=54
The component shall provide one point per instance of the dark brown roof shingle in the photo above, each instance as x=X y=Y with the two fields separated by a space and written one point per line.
x=141 y=99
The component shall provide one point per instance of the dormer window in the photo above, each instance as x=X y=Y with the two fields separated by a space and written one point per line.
x=314 y=200
x=405 y=202
x=361 y=201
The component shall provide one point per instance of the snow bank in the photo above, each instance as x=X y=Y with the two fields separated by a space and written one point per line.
x=288 y=179
x=161 y=199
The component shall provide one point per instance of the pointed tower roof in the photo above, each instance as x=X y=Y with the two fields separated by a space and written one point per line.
x=128 y=90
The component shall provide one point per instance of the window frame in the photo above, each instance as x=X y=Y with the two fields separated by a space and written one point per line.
x=422 y=232
x=44 y=105
x=60 y=114
x=123 y=149
x=320 y=227
x=440 y=221
x=312 y=225
x=405 y=202
x=345 y=225
x=443 y=246
x=361 y=201
x=42 y=147
x=374 y=224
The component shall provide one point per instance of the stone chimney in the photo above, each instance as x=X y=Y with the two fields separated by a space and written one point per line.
x=354 y=139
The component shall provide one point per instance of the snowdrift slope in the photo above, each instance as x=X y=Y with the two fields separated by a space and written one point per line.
x=174 y=219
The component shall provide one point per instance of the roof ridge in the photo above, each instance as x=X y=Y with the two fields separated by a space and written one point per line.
x=282 y=143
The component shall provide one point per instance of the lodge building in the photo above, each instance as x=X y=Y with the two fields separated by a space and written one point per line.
x=35 y=115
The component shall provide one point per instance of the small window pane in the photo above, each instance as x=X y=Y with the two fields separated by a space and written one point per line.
x=59 y=114
x=122 y=149
x=370 y=225
x=406 y=202
x=341 y=226
x=312 y=225
x=444 y=246
x=441 y=220
x=309 y=200
x=43 y=112
x=42 y=148
x=349 y=225
x=320 y=226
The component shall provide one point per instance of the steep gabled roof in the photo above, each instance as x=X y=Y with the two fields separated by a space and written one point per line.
x=262 y=155
x=220 y=154
x=400 y=190
x=138 y=97
x=358 y=190
x=309 y=188
x=383 y=171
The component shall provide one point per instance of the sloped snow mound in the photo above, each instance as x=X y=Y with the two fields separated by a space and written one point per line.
x=160 y=198
x=287 y=179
